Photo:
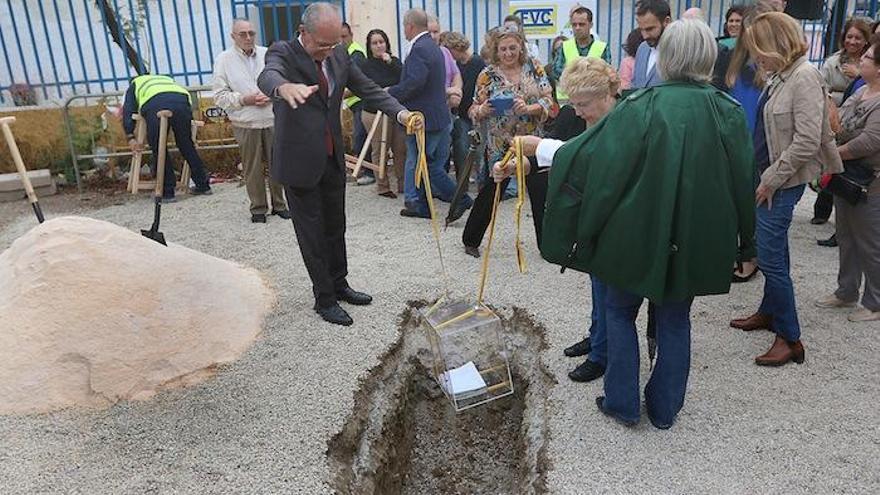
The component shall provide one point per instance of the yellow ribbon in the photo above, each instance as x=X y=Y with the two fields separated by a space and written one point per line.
x=514 y=152
x=415 y=125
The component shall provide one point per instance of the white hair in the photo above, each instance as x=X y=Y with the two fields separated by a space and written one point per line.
x=319 y=12
x=687 y=52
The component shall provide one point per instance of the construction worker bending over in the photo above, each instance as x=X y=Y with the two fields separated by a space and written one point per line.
x=149 y=94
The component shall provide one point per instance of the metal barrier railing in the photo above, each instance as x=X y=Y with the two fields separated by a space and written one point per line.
x=114 y=99
x=55 y=48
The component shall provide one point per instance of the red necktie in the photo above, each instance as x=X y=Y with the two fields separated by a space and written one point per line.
x=324 y=88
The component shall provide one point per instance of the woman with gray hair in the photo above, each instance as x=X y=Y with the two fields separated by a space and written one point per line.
x=659 y=218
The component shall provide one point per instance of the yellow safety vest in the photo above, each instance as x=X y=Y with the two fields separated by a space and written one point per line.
x=354 y=47
x=571 y=53
x=149 y=86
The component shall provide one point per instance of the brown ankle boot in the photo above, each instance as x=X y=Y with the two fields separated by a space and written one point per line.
x=782 y=352
x=757 y=321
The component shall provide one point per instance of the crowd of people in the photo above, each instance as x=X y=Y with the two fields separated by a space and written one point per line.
x=667 y=179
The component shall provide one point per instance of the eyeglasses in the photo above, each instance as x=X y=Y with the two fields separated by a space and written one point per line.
x=247 y=34
x=321 y=46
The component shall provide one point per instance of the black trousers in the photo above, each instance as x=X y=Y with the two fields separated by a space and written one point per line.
x=318 y=215
x=481 y=212
x=180 y=124
x=824 y=205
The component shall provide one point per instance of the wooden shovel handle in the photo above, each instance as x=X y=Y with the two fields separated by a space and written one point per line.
x=163 y=115
x=16 y=158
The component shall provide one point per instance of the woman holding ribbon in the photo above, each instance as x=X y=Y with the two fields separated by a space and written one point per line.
x=514 y=97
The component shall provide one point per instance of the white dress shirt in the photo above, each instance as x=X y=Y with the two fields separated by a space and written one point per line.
x=652 y=60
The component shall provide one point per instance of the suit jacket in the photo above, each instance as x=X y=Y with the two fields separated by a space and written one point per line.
x=422 y=85
x=640 y=79
x=298 y=153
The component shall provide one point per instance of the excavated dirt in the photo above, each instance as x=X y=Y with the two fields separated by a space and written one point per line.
x=405 y=437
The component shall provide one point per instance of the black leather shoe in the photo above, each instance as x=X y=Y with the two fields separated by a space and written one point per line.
x=335 y=314
x=406 y=212
x=285 y=214
x=258 y=218
x=830 y=242
x=818 y=220
x=600 y=403
x=582 y=348
x=586 y=372
x=352 y=296
x=195 y=191
x=472 y=251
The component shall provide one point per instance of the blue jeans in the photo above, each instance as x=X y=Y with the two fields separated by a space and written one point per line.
x=599 y=325
x=773 y=259
x=436 y=153
x=664 y=394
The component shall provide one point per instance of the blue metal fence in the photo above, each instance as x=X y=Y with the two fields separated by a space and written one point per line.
x=614 y=19
x=61 y=47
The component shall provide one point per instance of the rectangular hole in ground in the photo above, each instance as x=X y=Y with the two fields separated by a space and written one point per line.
x=404 y=436
x=474 y=451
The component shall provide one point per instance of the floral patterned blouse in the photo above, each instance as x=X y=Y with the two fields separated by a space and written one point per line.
x=533 y=87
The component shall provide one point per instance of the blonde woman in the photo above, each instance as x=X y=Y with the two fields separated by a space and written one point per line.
x=592 y=86
x=792 y=138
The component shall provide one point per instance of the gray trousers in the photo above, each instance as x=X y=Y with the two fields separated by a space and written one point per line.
x=858 y=234
x=255 y=147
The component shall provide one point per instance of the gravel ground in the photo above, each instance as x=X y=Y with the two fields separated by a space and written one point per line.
x=262 y=425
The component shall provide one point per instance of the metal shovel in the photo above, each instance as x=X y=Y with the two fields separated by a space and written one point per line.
x=19 y=166
x=465 y=174
x=154 y=233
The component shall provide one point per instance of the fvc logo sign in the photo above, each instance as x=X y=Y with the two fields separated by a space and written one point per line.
x=538 y=20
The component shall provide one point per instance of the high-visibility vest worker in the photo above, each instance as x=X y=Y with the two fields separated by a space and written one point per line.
x=571 y=53
x=354 y=47
x=150 y=85
x=147 y=95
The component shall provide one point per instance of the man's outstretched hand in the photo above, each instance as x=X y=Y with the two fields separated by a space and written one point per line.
x=296 y=94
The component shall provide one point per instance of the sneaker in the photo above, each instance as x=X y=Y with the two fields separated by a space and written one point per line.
x=833 y=302
x=863 y=314
x=366 y=180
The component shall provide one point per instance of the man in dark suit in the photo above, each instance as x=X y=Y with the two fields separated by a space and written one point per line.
x=306 y=77
x=422 y=88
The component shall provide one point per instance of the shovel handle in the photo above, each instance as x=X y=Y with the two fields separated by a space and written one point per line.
x=163 y=115
x=16 y=158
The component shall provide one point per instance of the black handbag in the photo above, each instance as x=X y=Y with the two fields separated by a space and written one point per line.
x=852 y=184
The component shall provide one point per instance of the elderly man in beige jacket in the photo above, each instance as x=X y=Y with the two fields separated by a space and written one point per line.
x=235 y=91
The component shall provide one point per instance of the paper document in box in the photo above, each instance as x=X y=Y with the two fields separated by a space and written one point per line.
x=464 y=380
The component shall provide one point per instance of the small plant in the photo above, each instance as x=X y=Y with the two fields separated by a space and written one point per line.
x=23 y=95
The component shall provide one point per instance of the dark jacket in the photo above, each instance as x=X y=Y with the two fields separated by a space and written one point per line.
x=298 y=151
x=384 y=74
x=422 y=86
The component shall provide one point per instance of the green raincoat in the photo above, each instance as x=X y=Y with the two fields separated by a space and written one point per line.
x=655 y=198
